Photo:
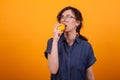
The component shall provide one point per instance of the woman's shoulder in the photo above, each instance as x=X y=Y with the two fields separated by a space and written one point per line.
x=86 y=43
x=50 y=40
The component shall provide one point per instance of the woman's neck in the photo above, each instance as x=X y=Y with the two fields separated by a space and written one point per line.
x=70 y=37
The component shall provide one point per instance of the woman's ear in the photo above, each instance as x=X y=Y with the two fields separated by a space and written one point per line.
x=77 y=23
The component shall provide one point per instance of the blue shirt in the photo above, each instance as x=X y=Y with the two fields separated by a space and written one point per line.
x=73 y=60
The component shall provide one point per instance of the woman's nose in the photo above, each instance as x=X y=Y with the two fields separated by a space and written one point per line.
x=63 y=20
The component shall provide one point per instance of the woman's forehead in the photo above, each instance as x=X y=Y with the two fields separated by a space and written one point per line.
x=68 y=12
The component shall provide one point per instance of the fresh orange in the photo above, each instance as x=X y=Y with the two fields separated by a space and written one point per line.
x=61 y=27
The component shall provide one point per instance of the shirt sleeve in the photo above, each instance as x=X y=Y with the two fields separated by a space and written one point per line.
x=91 y=58
x=48 y=48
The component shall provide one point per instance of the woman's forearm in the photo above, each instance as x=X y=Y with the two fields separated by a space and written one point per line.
x=53 y=63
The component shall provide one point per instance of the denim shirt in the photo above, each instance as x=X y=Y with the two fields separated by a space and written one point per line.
x=73 y=60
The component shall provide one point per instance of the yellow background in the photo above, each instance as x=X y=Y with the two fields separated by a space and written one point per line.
x=26 y=25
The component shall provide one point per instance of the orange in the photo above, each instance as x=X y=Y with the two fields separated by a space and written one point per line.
x=61 y=27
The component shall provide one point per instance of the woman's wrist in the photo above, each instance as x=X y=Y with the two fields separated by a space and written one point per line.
x=55 y=40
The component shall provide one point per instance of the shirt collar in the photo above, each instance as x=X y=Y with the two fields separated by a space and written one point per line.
x=77 y=39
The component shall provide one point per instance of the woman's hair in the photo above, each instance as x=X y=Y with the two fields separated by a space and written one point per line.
x=78 y=16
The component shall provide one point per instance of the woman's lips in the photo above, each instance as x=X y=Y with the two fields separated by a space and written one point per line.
x=65 y=25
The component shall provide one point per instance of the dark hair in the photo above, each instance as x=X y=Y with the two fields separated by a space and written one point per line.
x=78 y=16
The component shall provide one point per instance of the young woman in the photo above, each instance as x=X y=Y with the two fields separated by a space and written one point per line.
x=70 y=56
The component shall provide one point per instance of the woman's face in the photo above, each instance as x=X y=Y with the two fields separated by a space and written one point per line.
x=68 y=18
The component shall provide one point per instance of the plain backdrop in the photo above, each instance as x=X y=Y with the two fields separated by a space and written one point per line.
x=26 y=25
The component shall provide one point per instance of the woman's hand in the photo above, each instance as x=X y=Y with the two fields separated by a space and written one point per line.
x=57 y=33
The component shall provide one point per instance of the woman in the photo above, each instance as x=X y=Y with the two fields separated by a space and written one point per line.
x=70 y=55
